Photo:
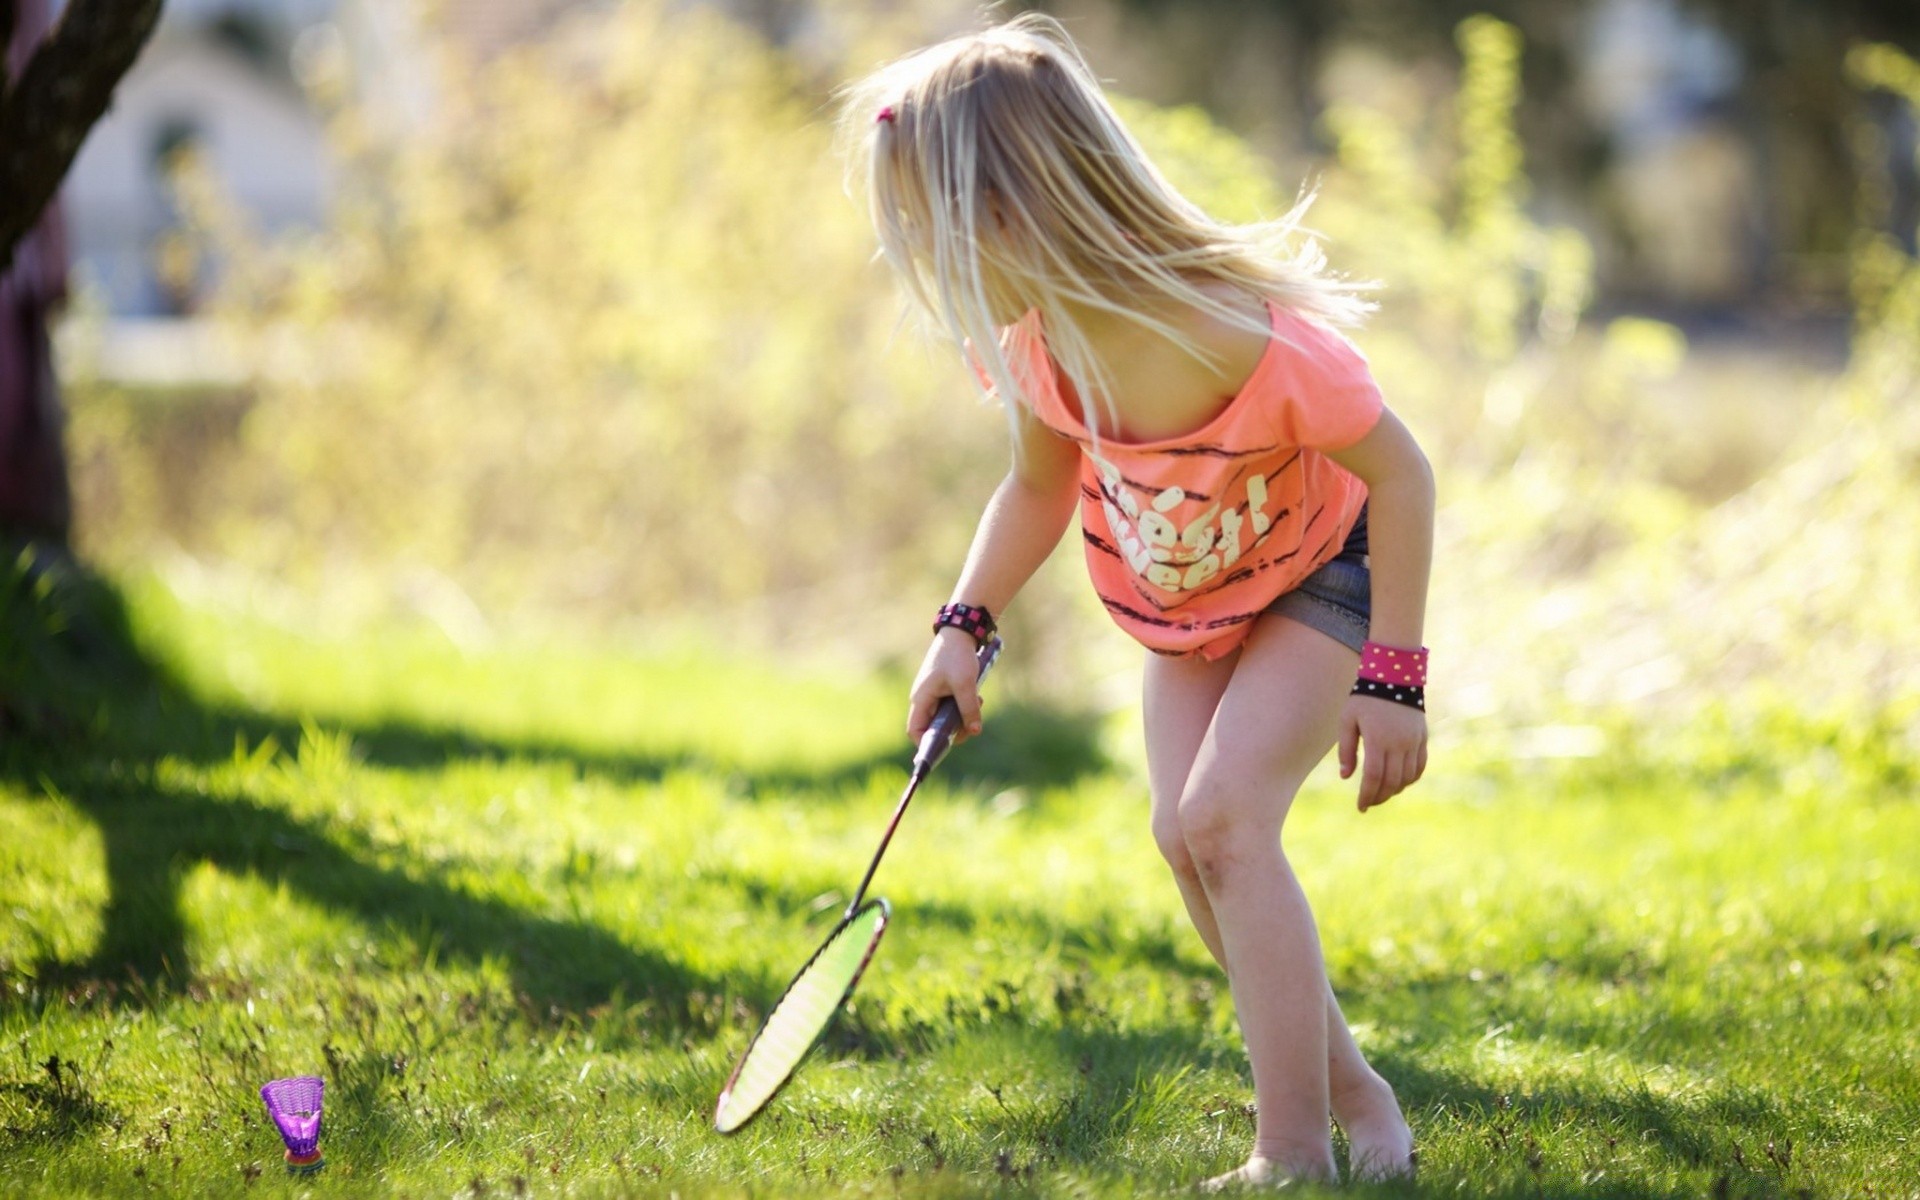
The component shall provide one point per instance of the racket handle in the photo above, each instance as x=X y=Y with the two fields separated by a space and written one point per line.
x=938 y=738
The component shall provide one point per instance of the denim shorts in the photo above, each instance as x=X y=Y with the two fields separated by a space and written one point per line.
x=1337 y=599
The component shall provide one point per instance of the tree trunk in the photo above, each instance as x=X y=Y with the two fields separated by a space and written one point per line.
x=55 y=82
x=63 y=90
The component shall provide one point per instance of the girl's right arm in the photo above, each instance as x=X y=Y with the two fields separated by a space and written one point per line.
x=1019 y=529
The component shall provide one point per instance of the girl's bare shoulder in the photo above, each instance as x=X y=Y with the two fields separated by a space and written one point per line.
x=1236 y=347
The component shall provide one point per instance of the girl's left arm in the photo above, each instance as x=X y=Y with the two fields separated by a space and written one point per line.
x=1400 y=506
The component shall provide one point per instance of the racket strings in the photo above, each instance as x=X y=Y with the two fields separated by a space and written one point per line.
x=800 y=1015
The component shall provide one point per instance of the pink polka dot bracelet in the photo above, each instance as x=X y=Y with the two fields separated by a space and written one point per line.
x=1393 y=673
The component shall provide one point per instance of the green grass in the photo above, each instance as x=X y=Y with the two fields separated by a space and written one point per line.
x=521 y=908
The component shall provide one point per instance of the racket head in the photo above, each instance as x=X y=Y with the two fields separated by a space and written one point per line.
x=801 y=1015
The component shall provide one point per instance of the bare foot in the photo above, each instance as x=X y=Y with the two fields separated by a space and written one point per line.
x=1257 y=1173
x=1379 y=1143
x=1261 y=1172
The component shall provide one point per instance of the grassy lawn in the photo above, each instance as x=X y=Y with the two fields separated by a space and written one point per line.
x=522 y=908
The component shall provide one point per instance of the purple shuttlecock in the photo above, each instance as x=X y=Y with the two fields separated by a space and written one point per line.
x=294 y=1105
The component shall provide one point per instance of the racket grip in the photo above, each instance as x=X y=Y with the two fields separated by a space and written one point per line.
x=938 y=738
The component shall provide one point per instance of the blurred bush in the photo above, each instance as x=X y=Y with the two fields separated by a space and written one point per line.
x=1801 y=591
x=606 y=342
x=1591 y=560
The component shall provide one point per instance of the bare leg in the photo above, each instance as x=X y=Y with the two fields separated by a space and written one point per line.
x=1379 y=1142
x=1182 y=697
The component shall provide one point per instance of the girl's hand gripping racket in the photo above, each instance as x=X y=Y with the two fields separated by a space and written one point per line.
x=803 y=1011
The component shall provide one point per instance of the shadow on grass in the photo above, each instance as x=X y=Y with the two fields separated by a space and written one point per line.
x=86 y=717
x=153 y=834
x=1132 y=1085
x=1699 y=1127
x=1079 y=1095
x=1702 y=1134
x=1030 y=747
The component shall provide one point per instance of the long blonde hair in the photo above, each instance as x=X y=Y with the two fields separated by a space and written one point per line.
x=1000 y=180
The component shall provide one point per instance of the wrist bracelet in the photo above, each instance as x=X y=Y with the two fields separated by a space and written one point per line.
x=1396 y=665
x=1411 y=695
x=969 y=618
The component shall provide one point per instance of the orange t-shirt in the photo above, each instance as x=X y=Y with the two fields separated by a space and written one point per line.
x=1189 y=538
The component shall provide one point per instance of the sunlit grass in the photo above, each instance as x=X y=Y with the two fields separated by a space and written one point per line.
x=521 y=909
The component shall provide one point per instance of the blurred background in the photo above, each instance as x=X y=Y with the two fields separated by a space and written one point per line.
x=553 y=319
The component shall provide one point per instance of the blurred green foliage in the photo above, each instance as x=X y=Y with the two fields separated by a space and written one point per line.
x=605 y=340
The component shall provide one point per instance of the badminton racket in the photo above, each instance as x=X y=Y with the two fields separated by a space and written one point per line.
x=804 y=1010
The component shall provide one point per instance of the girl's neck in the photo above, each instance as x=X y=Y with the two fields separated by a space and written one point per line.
x=1104 y=327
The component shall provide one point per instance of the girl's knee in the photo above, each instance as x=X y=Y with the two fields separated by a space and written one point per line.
x=1222 y=827
x=1173 y=844
x=1212 y=836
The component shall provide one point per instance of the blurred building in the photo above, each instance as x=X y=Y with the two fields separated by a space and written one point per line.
x=236 y=81
x=1683 y=182
x=224 y=79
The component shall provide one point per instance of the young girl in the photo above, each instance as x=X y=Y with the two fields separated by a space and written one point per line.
x=1252 y=513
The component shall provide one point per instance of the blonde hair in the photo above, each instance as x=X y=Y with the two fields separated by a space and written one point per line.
x=1000 y=180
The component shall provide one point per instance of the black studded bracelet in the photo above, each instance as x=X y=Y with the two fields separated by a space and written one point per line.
x=971 y=618
x=1411 y=695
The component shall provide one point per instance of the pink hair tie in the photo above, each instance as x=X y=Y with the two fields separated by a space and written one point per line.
x=1393 y=665
x=886 y=114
